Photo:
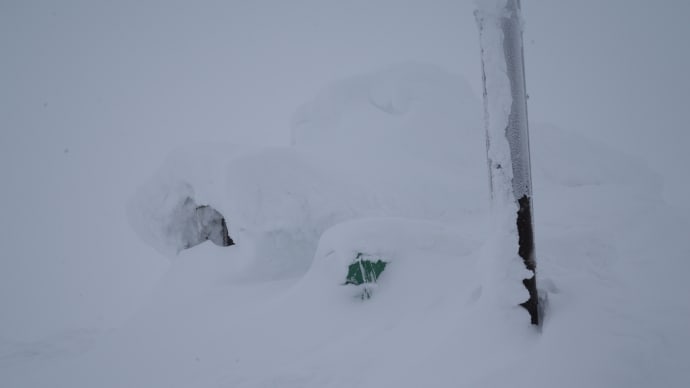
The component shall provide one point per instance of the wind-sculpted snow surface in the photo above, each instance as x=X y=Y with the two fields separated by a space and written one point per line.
x=351 y=159
x=273 y=310
x=157 y=212
x=419 y=111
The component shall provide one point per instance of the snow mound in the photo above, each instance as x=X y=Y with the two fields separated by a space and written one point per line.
x=409 y=246
x=403 y=142
x=417 y=111
x=392 y=155
x=279 y=201
x=156 y=211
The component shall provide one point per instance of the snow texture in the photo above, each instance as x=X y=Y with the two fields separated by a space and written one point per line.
x=272 y=311
x=278 y=201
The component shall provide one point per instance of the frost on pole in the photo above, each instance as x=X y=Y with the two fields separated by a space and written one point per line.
x=507 y=136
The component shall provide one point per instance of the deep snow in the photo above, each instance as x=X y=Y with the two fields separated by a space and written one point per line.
x=392 y=164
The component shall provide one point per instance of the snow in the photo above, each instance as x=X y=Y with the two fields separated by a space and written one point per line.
x=273 y=310
x=390 y=163
x=280 y=200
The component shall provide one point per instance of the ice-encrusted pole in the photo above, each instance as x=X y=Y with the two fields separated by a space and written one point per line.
x=507 y=136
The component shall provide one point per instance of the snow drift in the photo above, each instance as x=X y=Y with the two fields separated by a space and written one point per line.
x=363 y=148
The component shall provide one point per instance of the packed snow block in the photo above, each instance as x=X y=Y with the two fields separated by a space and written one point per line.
x=364 y=271
x=200 y=223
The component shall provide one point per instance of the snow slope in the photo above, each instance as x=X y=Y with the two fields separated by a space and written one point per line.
x=391 y=164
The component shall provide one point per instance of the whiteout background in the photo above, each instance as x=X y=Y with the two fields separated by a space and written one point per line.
x=94 y=95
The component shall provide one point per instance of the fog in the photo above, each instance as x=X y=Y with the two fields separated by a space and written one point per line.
x=93 y=96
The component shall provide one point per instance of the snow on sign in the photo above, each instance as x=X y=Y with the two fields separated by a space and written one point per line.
x=507 y=136
x=364 y=271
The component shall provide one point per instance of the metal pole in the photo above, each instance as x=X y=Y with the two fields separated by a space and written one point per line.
x=500 y=30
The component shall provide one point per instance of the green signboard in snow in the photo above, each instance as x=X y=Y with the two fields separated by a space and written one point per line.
x=364 y=270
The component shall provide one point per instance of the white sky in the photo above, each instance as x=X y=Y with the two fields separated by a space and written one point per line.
x=93 y=94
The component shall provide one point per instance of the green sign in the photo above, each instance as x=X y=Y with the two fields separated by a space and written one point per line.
x=364 y=271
